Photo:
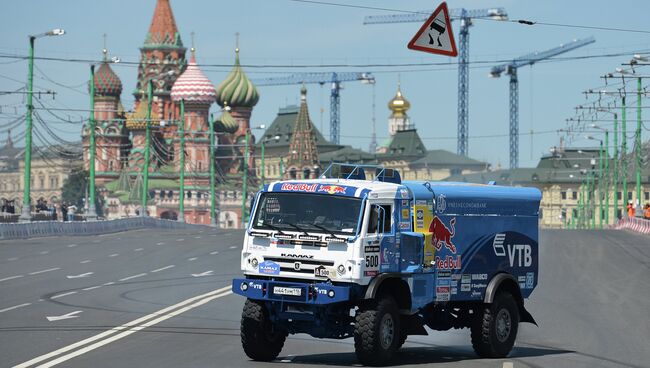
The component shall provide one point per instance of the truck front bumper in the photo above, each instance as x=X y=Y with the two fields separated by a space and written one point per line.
x=292 y=292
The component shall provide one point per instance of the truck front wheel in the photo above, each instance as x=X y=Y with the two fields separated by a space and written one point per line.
x=495 y=328
x=260 y=340
x=377 y=331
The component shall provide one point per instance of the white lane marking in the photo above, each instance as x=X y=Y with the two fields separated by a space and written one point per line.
x=43 y=271
x=161 y=243
x=72 y=245
x=206 y=273
x=12 y=259
x=14 y=307
x=163 y=268
x=85 y=261
x=192 y=259
x=44 y=252
x=96 y=241
x=131 y=326
x=138 y=249
x=108 y=283
x=64 y=316
x=133 y=277
x=11 y=278
x=92 y=287
x=233 y=247
x=180 y=240
x=215 y=252
x=81 y=275
x=62 y=295
x=114 y=255
x=508 y=365
x=197 y=237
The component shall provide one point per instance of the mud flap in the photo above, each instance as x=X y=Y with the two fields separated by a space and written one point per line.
x=525 y=316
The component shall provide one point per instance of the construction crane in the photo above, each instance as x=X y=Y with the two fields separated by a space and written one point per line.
x=334 y=79
x=511 y=70
x=465 y=17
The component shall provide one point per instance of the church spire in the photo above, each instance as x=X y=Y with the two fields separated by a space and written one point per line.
x=303 y=154
x=163 y=30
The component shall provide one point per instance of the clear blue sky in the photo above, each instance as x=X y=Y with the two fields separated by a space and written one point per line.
x=286 y=32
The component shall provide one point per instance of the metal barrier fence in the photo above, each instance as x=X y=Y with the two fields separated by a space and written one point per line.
x=10 y=231
x=635 y=224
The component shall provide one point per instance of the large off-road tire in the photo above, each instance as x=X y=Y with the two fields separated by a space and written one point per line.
x=377 y=331
x=495 y=328
x=260 y=340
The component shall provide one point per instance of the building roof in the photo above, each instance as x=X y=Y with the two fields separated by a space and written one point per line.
x=193 y=86
x=405 y=144
x=278 y=136
x=237 y=90
x=302 y=150
x=226 y=123
x=163 y=31
x=445 y=158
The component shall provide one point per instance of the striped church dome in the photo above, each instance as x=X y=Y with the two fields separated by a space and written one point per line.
x=237 y=90
x=107 y=83
x=193 y=86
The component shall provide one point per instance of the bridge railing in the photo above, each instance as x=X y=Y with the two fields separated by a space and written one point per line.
x=635 y=224
x=10 y=231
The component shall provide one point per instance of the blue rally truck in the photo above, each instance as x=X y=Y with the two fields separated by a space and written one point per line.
x=378 y=259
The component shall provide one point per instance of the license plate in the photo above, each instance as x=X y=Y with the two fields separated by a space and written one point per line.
x=279 y=290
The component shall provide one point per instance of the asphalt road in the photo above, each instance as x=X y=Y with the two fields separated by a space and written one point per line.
x=154 y=298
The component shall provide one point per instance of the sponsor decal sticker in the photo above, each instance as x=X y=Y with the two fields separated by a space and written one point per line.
x=466 y=279
x=404 y=193
x=530 y=280
x=455 y=276
x=521 y=279
x=465 y=287
x=404 y=225
x=449 y=263
x=441 y=234
x=443 y=282
x=405 y=213
x=421 y=202
x=332 y=189
x=454 y=290
x=269 y=268
x=444 y=273
x=479 y=276
x=371 y=273
x=299 y=187
x=441 y=203
x=479 y=286
x=371 y=248
x=519 y=255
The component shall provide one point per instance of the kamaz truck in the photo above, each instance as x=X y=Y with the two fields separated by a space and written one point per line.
x=360 y=253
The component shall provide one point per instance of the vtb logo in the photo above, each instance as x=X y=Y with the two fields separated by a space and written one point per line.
x=332 y=189
x=522 y=253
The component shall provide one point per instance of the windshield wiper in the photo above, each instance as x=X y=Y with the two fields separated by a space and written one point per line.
x=297 y=228
x=327 y=231
x=273 y=228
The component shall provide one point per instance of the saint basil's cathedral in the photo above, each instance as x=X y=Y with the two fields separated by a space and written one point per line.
x=120 y=135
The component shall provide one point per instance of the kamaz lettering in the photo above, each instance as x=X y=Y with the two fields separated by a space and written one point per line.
x=388 y=251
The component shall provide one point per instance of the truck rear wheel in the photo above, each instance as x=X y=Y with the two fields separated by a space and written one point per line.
x=495 y=328
x=377 y=332
x=260 y=340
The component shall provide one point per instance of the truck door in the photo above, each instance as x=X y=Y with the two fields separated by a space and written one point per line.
x=380 y=247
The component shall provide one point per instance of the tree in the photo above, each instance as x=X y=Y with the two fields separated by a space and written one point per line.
x=74 y=191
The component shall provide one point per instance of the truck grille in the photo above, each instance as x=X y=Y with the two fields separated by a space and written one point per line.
x=299 y=265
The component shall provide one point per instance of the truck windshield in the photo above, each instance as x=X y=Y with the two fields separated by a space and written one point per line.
x=310 y=212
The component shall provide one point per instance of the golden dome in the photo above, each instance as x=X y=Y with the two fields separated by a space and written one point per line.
x=399 y=105
x=137 y=120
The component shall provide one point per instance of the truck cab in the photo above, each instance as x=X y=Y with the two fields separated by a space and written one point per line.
x=378 y=259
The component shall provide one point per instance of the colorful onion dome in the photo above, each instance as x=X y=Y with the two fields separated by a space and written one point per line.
x=237 y=90
x=399 y=105
x=138 y=119
x=193 y=86
x=107 y=83
x=226 y=123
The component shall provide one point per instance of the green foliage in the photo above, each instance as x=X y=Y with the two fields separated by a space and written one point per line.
x=74 y=191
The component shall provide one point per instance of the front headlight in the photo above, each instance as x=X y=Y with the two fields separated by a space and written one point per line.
x=341 y=269
x=254 y=262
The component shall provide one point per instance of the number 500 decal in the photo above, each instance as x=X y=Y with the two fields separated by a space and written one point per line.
x=372 y=260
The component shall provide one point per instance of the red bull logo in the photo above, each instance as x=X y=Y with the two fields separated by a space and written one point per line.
x=332 y=189
x=441 y=234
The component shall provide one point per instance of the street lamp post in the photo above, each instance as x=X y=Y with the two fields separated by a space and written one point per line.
x=91 y=215
x=245 y=183
x=213 y=199
x=26 y=213
x=181 y=190
x=262 y=141
x=607 y=173
x=624 y=152
x=637 y=149
x=147 y=149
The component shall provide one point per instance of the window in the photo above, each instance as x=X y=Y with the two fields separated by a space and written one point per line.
x=574 y=212
x=629 y=196
x=305 y=173
x=563 y=194
x=380 y=215
x=307 y=212
x=618 y=195
x=574 y=195
x=646 y=196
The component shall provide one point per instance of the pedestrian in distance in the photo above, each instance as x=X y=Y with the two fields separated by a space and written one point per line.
x=646 y=211
x=630 y=210
x=64 y=211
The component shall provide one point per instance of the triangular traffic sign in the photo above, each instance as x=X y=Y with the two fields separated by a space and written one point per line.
x=435 y=35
